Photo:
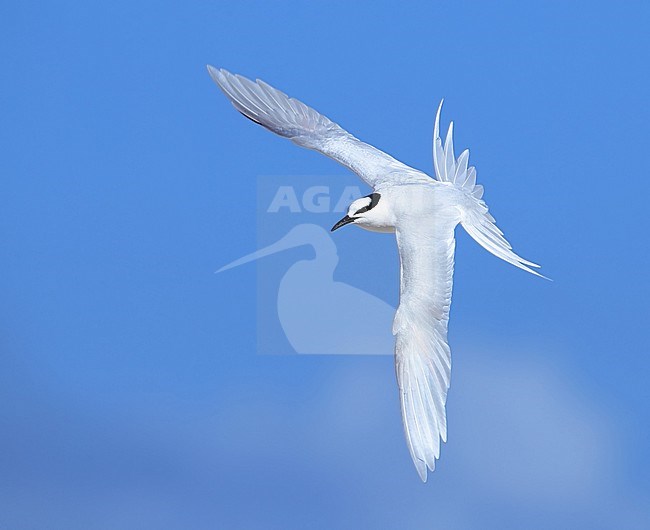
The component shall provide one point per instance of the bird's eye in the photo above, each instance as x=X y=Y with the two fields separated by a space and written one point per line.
x=362 y=210
x=374 y=199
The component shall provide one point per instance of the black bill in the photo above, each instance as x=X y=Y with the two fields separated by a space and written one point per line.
x=345 y=221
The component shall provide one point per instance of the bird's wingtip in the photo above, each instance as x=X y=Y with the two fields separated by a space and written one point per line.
x=216 y=73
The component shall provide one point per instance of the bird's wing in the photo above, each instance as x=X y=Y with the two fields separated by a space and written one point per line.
x=292 y=119
x=422 y=355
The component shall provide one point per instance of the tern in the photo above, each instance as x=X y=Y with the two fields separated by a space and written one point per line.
x=423 y=213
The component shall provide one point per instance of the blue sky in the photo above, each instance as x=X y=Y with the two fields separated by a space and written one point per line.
x=131 y=393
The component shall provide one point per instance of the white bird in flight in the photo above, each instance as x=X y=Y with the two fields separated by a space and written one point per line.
x=423 y=213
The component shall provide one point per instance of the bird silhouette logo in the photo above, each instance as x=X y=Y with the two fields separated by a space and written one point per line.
x=319 y=315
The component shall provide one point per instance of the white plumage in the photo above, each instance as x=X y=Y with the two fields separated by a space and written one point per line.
x=423 y=213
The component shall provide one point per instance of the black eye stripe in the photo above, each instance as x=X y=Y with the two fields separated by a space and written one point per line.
x=374 y=199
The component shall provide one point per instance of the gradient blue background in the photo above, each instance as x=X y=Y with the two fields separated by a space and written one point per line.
x=130 y=392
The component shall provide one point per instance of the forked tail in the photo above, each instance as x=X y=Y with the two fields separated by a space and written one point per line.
x=475 y=218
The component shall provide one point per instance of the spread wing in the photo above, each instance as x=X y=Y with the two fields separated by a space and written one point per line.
x=422 y=355
x=304 y=126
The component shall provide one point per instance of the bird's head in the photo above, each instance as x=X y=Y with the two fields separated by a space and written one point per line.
x=361 y=211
